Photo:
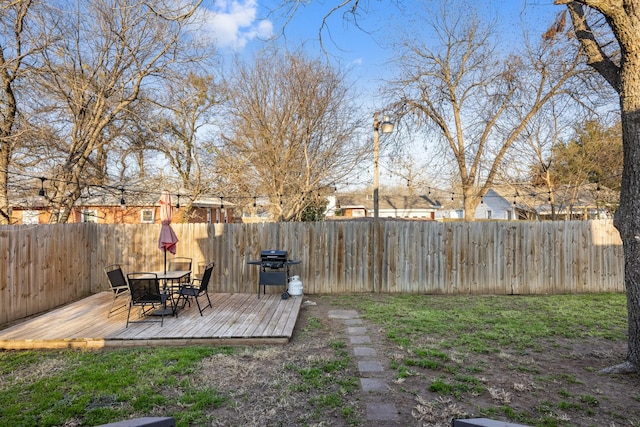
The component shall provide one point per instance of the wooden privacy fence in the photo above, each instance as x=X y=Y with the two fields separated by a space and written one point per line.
x=48 y=265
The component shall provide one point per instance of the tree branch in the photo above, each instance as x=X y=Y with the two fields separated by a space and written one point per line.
x=606 y=7
x=596 y=57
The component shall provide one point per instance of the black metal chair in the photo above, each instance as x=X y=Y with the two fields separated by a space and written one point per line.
x=118 y=283
x=197 y=288
x=145 y=292
x=180 y=264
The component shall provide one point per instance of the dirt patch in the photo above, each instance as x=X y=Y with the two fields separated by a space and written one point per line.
x=559 y=384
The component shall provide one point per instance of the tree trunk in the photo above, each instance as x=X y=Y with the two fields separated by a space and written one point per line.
x=472 y=196
x=4 y=180
x=627 y=221
x=624 y=21
x=470 y=205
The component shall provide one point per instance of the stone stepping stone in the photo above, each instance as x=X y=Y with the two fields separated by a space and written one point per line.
x=382 y=412
x=373 y=384
x=356 y=330
x=364 y=351
x=343 y=314
x=370 y=366
x=360 y=339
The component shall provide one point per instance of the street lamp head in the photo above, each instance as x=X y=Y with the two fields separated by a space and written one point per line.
x=386 y=126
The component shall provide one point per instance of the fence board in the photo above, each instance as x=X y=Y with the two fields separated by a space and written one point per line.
x=49 y=265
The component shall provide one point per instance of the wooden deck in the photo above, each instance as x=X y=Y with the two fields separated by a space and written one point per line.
x=235 y=319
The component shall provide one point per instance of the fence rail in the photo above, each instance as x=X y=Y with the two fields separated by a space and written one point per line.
x=46 y=266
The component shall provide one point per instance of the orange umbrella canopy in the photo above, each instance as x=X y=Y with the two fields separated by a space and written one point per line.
x=168 y=238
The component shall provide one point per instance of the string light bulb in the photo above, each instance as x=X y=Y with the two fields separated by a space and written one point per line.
x=123 y=204
x=41 y=192
x=178 y=204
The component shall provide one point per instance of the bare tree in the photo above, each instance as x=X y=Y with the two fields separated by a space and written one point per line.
x=185 y=113
x=293 y=132
x=476 y=103
x=15 y=49
x=413 y=175
x=133 y=138
x=93 y=74
x=535 y=146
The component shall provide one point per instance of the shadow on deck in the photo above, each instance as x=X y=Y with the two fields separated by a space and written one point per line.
x=235 y=319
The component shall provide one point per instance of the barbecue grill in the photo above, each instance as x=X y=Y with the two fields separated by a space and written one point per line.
x=274 y=270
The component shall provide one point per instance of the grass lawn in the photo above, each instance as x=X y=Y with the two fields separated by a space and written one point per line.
x=532 y=360
x=438 y=346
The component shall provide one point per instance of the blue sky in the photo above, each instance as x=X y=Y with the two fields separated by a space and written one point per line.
x=241 y=26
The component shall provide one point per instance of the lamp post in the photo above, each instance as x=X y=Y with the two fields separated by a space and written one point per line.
x=386 y=127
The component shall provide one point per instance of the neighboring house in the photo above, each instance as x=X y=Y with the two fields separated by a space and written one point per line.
x=210 y=210
x=566 y=202
x=527 y=202
x=361 y=206
x=495 y=207
x=258 y=212
x=106 y=209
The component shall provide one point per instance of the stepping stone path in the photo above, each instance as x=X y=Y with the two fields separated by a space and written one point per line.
x=374 y=388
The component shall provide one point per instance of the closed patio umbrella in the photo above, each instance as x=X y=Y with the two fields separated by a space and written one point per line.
x=168 y=238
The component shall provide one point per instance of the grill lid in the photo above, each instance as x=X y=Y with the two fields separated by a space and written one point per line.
x=273 y=255
x=273 y=258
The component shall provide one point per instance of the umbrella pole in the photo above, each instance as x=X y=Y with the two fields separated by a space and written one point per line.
x=165 y=261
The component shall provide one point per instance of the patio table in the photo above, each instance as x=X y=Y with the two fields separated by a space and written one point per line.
x=169 y=276
x=172 y=276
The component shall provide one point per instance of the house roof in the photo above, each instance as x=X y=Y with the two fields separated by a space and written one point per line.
x=386 y=202
x=110 y=196
x=537 y=199
x=148 y=199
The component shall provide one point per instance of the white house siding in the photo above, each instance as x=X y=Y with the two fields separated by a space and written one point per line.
x=499 y=207
x=494 y=206
x=450 y=214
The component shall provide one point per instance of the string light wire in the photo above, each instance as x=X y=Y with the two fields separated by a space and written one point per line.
x=333 y=186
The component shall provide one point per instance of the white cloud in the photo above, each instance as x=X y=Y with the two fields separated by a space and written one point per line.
x=232 y=24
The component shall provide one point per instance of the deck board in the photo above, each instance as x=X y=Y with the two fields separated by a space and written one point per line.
x=242 y=319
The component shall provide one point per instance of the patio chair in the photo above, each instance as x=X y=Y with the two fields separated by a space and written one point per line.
x=177 y=264
x=118 y=283
x=197 y=288
x=145 y=292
